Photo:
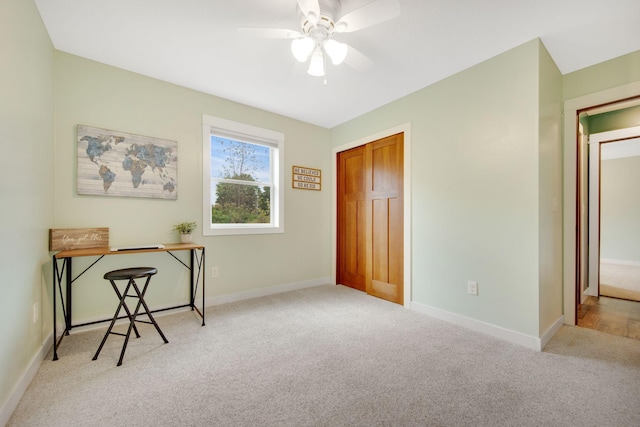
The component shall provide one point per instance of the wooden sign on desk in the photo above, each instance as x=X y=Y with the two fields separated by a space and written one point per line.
x=62 y=239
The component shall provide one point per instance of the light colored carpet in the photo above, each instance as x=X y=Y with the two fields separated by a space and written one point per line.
x=332 y=356
x=620 y=281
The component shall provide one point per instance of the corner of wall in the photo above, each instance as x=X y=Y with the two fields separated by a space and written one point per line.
x=6 y=410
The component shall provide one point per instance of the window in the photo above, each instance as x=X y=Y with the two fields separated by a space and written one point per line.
x=243 y=177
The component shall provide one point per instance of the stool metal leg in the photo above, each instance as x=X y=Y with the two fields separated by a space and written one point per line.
x=132 y=320
x=146 y=308
x=124 y=304
x=115 y=317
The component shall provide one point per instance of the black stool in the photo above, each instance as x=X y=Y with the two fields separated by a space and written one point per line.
x=130 y=274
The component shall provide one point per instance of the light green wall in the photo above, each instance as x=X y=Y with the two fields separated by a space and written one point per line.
x=612 y=120
x=606 y=75
x=550 y=192
x=26 y=135
x=620 y=209
x=475 y=188
x=94 y=94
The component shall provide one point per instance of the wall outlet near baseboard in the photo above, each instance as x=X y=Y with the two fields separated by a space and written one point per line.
x=214 y=271
x=472 y=287
x=36 y=312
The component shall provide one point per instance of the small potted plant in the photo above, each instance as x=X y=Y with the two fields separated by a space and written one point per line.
x=185 y=229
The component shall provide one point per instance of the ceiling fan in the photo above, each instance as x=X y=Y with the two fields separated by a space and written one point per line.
x=320 y=21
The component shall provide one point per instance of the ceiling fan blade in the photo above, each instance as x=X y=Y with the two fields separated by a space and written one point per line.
x=357 y=60
x=370 y=14
x=310 y=8
x=270 y=33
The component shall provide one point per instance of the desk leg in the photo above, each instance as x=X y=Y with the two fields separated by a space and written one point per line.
x=55 y=332
x=65 y=299
x=68 y=290
x=195 y=277
x=204 y=273
x=192 y=295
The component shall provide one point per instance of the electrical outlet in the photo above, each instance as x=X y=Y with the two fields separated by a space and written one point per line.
x=472 y=287
x=36 y=312
x=214 y=271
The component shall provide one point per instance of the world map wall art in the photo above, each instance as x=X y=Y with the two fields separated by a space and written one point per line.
x=112 y=163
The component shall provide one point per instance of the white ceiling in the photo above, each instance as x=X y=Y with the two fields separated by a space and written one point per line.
x=195 y=44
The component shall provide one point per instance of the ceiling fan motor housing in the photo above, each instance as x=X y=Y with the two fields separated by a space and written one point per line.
x=329 y=10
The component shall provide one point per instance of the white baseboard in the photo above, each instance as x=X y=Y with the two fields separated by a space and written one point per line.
x=591 y=290
x=257 y=293
x=583 y=297
x=18 y=391
x=620 y=262
x=549 y=333
x=103 y=322
x=209 y=301
x=499 y=332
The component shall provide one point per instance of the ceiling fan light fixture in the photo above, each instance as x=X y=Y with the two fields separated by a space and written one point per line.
x=337 y=51
x=302 y=48
x=316 y=65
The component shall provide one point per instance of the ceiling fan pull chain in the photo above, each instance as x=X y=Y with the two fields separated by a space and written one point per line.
x=324 y=66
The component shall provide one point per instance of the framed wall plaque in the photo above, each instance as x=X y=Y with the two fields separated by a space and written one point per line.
x=304 y=178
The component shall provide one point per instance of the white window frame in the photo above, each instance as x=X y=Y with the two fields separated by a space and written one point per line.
x=255 y=135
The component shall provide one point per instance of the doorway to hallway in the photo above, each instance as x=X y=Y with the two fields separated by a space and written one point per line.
x=608 y=215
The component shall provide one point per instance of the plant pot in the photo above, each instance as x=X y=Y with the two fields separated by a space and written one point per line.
x=185 y=238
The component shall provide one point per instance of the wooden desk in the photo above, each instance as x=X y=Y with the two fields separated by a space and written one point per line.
x=62 y=270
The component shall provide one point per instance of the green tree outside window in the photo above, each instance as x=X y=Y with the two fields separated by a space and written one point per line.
x=243 y=188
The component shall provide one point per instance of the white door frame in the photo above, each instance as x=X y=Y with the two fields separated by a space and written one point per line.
x=595 y=143
x=403 y=128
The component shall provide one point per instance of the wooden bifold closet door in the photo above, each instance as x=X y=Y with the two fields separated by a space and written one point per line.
x=370 y=218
